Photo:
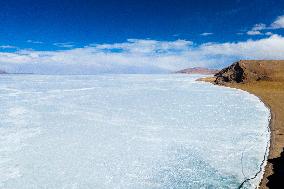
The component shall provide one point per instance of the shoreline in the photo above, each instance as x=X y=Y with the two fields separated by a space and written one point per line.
x=268 y=170
x=271 y=94
x=270 y=126
x=264 y=165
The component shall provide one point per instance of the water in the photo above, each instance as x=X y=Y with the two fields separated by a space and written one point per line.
x=129 y=132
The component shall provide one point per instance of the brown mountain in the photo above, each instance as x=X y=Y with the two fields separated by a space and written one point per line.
x=198 y=70
x=252 y=70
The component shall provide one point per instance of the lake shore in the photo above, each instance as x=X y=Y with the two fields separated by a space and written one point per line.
x=271 y=92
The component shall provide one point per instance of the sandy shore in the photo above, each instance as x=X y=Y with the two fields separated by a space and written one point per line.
x=272 y=94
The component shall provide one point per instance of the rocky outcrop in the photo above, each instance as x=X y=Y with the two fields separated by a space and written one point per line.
x=250 y=70
x=198 y=70
x=233 y=73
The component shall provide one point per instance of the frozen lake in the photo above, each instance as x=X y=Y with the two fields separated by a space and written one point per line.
x=128 y=132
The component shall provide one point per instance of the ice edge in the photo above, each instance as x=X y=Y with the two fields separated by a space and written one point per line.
x=266 y=154
x=265 y=157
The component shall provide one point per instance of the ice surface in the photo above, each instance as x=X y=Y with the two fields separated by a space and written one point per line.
x=129 y=132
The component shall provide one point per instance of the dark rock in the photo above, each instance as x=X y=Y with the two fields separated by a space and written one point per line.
x=244 y=71
x=276 y=180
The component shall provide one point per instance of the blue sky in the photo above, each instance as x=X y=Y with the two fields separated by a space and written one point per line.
x=136 y=36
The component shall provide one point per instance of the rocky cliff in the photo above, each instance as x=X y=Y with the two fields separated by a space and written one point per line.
x=251 y=70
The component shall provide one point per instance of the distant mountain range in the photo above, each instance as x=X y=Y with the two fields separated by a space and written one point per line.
x=194 y=70
x=198 y=70
x=2 y=72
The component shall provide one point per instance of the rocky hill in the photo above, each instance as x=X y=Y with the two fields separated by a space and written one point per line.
x=251 y=70
x=198 y=70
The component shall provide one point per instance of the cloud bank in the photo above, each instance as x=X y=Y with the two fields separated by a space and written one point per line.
x=140 y=56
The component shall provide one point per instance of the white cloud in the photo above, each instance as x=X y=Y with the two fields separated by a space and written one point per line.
x=176 y=35
x=140 y=56
x=278 y=23
x=146 y=46
x=268 y=33
x=64 y=45
x=206 y=34
x=258 y=27
x=35 y=42
x=253 y=32
x=7 y=47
